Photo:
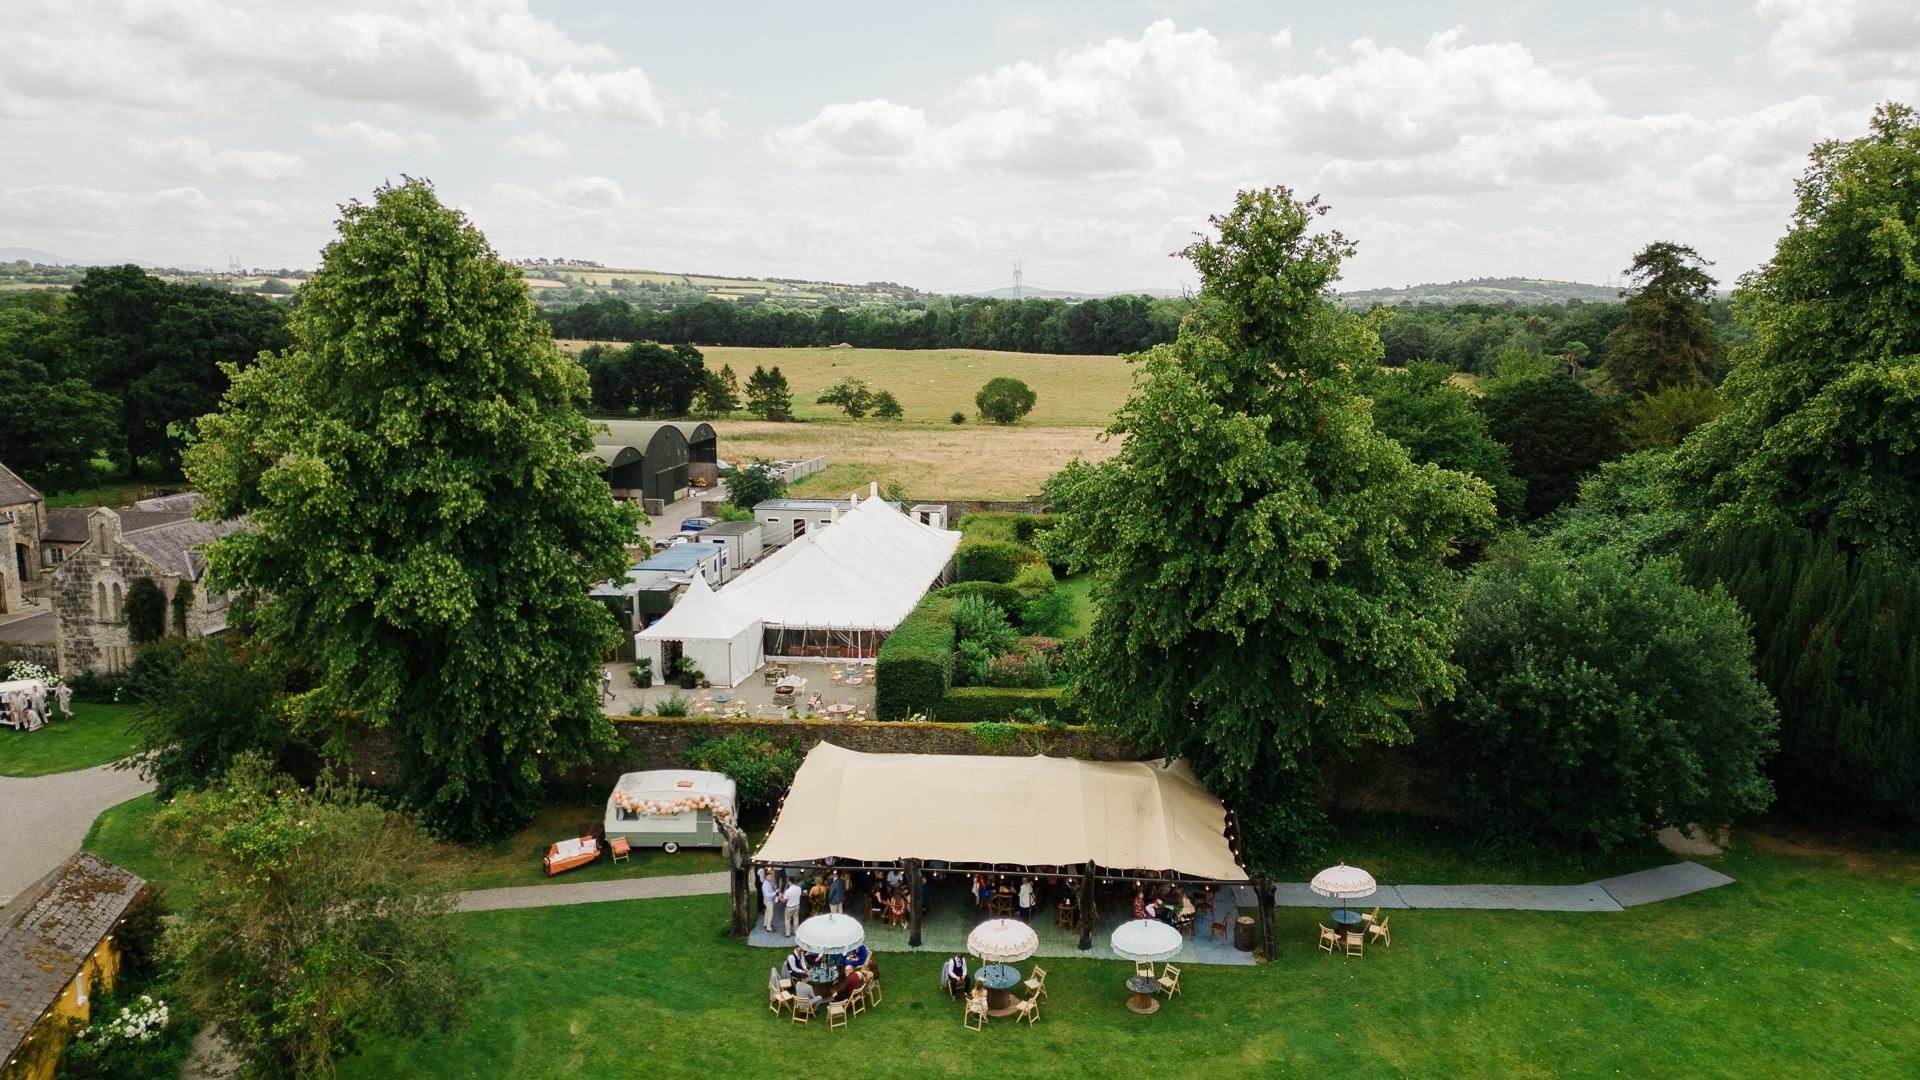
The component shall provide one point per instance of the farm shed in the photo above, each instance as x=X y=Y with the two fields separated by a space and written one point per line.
x=703 y=451
x=643 y=459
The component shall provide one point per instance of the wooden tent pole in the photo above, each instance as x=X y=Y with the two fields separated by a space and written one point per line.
x=1086 y=908
x=913 y=902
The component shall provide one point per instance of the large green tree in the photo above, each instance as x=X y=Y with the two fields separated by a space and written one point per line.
x=1270 y=569
x=321 y=923
x=1667 y=339
x=1423 y=410
x=56 y=423
x=1555 y=433
x=1824 y=406
x=163 y=350
x=426 y=527
x=1604 y=699
x=768 y=395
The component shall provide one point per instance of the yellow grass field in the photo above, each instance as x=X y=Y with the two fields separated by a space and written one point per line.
x=955 y=462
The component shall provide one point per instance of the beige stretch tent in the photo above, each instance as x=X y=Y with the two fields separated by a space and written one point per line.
x=1037 y=811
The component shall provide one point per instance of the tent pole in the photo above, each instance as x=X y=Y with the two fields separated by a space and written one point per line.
x=1087 y=912
x=1263 y=892
x=913 y=901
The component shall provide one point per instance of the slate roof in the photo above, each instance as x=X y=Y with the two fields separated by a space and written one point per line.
x=13 y=490
x=68 y=524
x=182 y=502
x=48 y=931
x=171 y=545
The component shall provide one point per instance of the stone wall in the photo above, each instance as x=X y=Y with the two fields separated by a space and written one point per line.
x=958 y=508
x=91 y=639
x=656 y=742
x=44 y=653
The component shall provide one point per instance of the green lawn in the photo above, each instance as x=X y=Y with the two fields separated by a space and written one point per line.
x=1076 y=586
x=123 y=835
x=94 y=735
x=1803 y=968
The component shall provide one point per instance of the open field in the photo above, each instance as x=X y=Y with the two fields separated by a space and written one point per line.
x=933 y=384
x=954 y=461
x=1801 y=968
x=94 y=735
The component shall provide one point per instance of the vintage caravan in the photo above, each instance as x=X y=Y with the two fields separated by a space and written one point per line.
x=670 y=808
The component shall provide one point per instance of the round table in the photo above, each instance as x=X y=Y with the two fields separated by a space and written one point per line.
x=839 y=710
x=821 y=979
x=1000 y=979
x=1345 y=917
x=1143 y=990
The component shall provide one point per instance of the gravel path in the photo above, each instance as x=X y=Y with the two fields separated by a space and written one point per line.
x=1612 y=894
x=48 y=816
x=593 y=892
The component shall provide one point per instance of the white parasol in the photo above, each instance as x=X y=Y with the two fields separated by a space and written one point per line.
x=830 y=935
x=1146 y=939
x=1343 y=882
x=1003 y=941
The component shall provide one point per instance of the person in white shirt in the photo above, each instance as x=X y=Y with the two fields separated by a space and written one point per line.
x=1026 y=898
x=953 y=977
x=769 y=896
x=792 y=899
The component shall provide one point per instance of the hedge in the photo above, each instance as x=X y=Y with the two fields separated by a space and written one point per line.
x=1006 y=596
x=1025 y=526
x=915 y=665
x=978 y=704
x=992 y=560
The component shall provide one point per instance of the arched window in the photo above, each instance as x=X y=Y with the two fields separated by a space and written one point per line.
x=100 y=597
x=117 y=617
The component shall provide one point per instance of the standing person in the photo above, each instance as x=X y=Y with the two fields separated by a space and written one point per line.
x=1026 y=898
x=792 y=897
x=836 y=893
x=606 y=685
x=769 y=896
x=65 y=694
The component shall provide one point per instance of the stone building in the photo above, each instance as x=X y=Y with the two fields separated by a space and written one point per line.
x=89 y=586
x=23 y=516
x=56 y=951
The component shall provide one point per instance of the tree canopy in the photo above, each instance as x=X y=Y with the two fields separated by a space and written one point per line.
x=1270 y=574
x=650 y=379
x=1824 y=406
x=1604 y=700
x=1004 y=400
x=1554 y=431
x=57 y=423
x=1666 y=339
x=1422 y=410
x=768 y=395
x=426 y=526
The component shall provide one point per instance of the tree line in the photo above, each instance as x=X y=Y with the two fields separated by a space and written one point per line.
x=1115 y=325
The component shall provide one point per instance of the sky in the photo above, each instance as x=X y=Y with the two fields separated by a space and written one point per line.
x=937 y=145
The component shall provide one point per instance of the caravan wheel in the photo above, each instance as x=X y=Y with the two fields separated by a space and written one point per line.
x=669 y=847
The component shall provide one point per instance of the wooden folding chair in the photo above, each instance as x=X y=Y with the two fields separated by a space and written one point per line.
x=836 y=1014
x=620 y=849
x=872 y=990
x=1037 y=986
x=1029 y=1010
x=1356 y=943
x=1328 y=939
x=976 y=1015
x=1170 y=981
x=1370 y=917
x=804 y=1013
x=1380 y=930
x=1144 y=968
x=1221 y=929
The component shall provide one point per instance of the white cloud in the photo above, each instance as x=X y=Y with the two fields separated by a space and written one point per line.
x=187 y=158
x=469 y=59
x=374 y=137
x=1670 y=21
x=1873 y=44
x=537 y=144
x=708 y=125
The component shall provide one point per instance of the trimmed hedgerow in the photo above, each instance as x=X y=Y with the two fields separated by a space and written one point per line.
x=993 y=704
x=992 y=560
x=915 y=665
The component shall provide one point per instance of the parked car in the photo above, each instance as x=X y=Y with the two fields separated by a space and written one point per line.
x=696 y=524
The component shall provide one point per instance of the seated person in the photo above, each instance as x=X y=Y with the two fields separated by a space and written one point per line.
x=804 y=999
x=897 y=907
x=1140 y=906
x=849 y=986
x=953 y=976
x=796 y=965
x=1185 y=917
x=859 y=956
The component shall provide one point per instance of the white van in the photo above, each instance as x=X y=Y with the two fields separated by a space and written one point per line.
x=671 y=808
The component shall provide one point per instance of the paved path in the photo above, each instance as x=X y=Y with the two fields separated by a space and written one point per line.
x=593 y=892
x=1612 y=894
x=48 y=816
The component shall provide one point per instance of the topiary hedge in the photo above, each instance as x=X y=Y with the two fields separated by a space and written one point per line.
x=915 y=665
x=992 y=560
x=1006 y=596
x=991 y=704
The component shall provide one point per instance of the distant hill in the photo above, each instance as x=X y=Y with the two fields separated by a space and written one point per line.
x=1028 y=292
x=47 y=258
x=1518 y=291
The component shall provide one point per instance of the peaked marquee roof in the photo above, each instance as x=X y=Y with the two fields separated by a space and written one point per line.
x=865 y=572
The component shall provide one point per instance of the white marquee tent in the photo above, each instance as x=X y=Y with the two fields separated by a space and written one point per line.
x=721 y=640
x=859 y=576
